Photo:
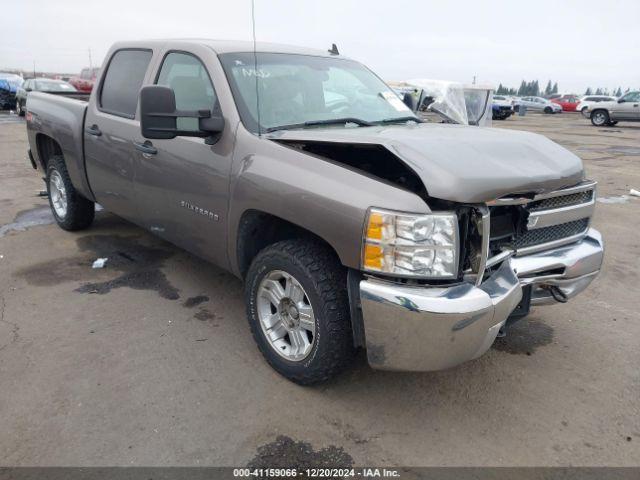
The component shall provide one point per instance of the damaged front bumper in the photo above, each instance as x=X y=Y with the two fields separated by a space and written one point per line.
x=432 y=328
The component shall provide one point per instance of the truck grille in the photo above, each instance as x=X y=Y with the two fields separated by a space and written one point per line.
x=543 y=222
x=551 y=234
x=562 y=201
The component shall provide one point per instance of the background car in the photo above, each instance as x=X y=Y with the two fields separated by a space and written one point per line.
x=48 y=85
x=9 y=84
x=626 y=108
x=588 y=101
x=567 y=102
x=502 y=107
x=85 y=81
x=538 y=104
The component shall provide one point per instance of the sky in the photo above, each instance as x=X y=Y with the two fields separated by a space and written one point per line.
x=578 y=43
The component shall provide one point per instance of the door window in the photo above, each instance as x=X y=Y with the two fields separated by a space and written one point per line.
x=122 y=82
x=189 y=80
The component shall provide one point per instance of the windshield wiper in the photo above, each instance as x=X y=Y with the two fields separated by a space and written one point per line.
x=400 y=119
x=329 y=121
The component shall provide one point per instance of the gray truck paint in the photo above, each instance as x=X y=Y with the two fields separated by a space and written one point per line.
x=245 y=172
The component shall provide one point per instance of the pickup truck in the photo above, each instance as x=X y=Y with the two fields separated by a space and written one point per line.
x=352 y=223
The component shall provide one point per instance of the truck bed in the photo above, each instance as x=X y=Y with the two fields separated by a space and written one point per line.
x=60 y=117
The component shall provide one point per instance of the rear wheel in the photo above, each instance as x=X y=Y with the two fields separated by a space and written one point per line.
x=70 y=210
x=298 y=310
x=599 y=118
x=19 y=109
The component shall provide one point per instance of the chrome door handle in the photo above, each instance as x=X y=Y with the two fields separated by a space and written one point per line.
x=93 y=130
x=146 y=147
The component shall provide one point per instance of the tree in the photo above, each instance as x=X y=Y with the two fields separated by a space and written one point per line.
x=599 y=91
x=547 y=89
x=618 y=92
x=523 y=89
x=588 y=91
x=555 y=88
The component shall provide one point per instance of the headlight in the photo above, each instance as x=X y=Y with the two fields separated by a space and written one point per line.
x=411 y=245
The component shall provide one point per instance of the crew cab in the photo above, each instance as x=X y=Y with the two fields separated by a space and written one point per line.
x=352 y=223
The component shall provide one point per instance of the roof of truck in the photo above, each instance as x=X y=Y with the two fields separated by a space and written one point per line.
x=230 y=46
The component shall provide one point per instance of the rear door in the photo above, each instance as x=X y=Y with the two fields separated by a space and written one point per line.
x=182 y=184
x=110 y=127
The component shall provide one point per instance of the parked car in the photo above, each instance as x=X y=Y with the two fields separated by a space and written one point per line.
x=39 y=85
x=9 y=84
x=538 y=104
x=353 y=225
x=626 y=108
x=567 y=102
x=85 y=81
x=502 y=107
x=587 y=103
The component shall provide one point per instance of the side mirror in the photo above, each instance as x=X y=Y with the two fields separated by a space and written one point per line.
x=158 y=116
x=621 y=100
x=27 y=89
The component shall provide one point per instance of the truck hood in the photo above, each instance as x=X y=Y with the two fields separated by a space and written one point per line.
x=461 y=163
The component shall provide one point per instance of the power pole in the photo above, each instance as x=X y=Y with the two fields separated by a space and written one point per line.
x=34 y=69
x=474 y=80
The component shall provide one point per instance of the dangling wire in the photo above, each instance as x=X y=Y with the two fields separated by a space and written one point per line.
x=255 y=63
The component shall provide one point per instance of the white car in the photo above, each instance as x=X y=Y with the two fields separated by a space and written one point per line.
x=588 y=101
x=538 y=104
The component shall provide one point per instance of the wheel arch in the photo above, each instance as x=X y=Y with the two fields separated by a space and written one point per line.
x=46 y=147
x=257 y=229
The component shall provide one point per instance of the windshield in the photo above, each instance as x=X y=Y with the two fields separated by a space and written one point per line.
x=297 y=89
x=53 y=86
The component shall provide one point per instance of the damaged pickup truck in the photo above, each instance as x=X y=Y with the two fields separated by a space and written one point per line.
x=352 y=223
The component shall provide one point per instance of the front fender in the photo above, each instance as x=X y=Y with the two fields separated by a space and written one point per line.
x=318 y=195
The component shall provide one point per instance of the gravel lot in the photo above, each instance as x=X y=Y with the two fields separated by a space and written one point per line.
x=150 y=360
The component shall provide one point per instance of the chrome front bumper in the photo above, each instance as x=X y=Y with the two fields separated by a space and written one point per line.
x=420 y=329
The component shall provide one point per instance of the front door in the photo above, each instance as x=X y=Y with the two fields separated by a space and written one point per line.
x=628 y=107
x=182 y=184
x=110 y=125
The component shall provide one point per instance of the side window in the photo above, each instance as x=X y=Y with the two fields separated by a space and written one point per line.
x=190 y=82
x=122 y=82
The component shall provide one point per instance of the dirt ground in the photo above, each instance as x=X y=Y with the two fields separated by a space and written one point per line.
x=150 y=361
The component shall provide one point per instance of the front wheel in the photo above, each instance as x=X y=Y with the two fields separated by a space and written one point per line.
x=585 y=112
x=548 y=110
x=298 y=310
x=70 y=210
x=600 y=118
x=19 y=109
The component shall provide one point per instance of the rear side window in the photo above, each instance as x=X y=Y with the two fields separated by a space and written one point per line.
x=122 y=82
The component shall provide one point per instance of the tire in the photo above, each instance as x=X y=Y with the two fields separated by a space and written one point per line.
x=599 y=118
x=78 y=212
x=585 y=112
x=324 y=289
x=548 y=110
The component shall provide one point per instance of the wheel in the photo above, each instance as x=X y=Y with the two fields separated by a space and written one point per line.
x=599 y=118
x=70 y=210
x=516 y=108
x=548 y=110
x=585 y=112
x=298 y=310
